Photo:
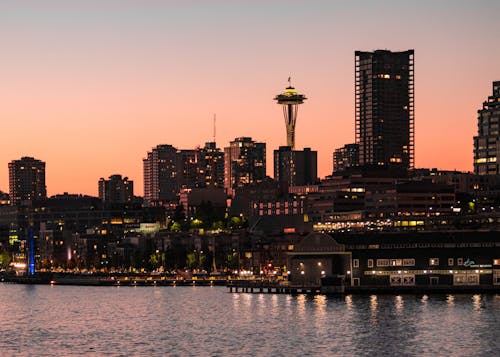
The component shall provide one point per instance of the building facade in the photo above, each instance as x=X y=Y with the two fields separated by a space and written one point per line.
x=385 y=108
x=487 y=141
x=116 y=189
x=187 y=168
x=244 y=163
x=26 y=180
x=160 y=175
x=346 y=157
x=211 y=166
x=295 y=167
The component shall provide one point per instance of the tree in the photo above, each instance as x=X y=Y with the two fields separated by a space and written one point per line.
x=175 y=227
x=4 y=259
x=196 y=223
x=179 y=214
x=217 y=225
x=235 y=222
x=191 y=260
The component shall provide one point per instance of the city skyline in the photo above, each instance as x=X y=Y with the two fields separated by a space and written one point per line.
x=91 y=87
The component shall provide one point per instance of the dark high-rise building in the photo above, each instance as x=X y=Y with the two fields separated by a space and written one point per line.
x=346 y=157
x=116 y=189
x=187 y=168
x=160 y=175
x=295 y=167
x=244 y=163
x=26 y=180
x=210 y=166
x=384 y=108
x=487 y=141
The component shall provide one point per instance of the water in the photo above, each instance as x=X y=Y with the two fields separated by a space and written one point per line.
x=208 y=321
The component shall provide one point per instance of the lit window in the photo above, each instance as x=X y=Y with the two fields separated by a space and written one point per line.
x=355 y=263
x=451 y=262
x=434 y=261
x=370 y=263
x=383 y=262
x=409 y=262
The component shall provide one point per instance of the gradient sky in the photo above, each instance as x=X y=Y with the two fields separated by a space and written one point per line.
x=90 y=86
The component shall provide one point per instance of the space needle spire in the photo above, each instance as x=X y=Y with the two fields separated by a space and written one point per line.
x=290 y=101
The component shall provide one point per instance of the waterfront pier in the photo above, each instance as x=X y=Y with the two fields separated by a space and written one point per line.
x=270 y=287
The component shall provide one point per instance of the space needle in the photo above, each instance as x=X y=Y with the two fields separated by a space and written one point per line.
x=290 y=101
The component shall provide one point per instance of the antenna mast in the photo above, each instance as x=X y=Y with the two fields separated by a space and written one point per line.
x=215 y=117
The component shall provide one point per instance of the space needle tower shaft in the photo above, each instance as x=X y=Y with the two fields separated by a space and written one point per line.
x=290 y=100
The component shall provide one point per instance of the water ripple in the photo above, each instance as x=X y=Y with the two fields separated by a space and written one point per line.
x=208 y=321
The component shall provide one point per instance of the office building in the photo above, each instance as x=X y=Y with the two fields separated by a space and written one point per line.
x=295 y=167
x=487 y=141
x=116 y=189
x=26 y=180
x=385 y=108
x=244 y=163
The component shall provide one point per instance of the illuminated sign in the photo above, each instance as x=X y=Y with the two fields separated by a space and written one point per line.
x=469 y=263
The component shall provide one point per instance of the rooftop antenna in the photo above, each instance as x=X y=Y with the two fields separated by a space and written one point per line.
x=215 y=118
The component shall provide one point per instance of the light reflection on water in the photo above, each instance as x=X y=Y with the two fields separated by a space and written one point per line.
x=208 y=321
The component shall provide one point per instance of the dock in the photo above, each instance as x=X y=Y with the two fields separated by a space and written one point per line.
x=270 y=287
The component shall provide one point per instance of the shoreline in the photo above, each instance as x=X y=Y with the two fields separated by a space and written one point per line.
x=241 y=285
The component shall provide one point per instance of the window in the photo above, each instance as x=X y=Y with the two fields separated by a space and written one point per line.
x=370 y=263
x=355 y=263
x=466 y=279
x=410 y=262
x=434 y=261
x=382 y=262
x=399 y=279
x=496 y=262
x=451 y=262
x=356 y=281
x=460 y=261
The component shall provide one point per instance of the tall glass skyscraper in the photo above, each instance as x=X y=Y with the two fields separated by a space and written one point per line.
x=384 y=108
x=487 y=141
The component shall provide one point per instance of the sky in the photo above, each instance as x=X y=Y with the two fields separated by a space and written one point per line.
x=90 y=86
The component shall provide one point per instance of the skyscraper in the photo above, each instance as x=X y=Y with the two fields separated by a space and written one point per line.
x=290 y=100
x=160 y=175
x=384 y=108
x=295 y=167
x=211 y=166
x=187 y=168
x=116 y=189
x=244 y=163
x=487 y=141
x=26 y=180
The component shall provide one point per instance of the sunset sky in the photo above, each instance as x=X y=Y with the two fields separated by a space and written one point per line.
x=90 y=86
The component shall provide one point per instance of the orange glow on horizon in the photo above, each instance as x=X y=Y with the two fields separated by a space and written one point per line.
x=90 y=88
